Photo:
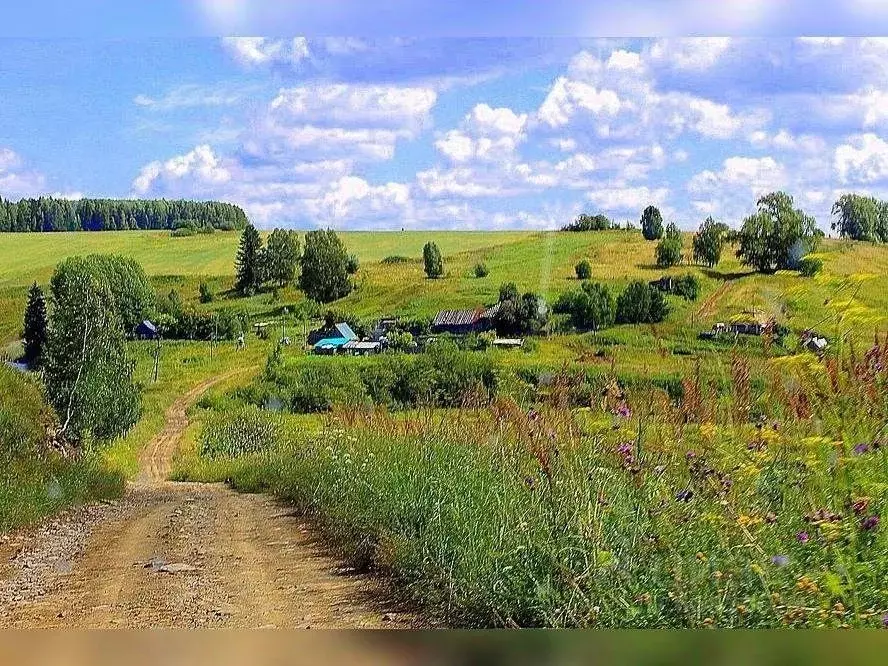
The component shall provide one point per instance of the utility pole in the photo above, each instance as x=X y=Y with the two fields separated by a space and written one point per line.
x=156 y=357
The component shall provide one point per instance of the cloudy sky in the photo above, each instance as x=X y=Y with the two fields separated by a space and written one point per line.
x=443 y=132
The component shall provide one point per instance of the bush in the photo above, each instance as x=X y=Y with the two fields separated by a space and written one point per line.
x=432 y=261
x=233 y=434
x=687 y=286
x=206 y=294
x=183 y=232
x=583 y=270
x=589 y=223
x=396 y=259
x=527 y=314
x=668 y=251
x=352 y=264
x=590 y=308
x=481 y=270
x=640 y=303
x=810 y=266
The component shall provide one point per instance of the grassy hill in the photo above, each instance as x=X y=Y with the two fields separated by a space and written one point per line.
x=854 y=283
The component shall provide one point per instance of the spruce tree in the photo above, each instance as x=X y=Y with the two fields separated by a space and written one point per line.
x=35 y=326
x=247 y=264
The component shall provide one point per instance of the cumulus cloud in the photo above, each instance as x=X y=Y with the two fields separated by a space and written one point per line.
x=864 y=159
x=193 y=95
x=265 y=51
x=691 y=53
x=16 y=180
x=187 y=173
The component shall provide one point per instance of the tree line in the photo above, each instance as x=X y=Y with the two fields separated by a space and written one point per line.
x=50 y=214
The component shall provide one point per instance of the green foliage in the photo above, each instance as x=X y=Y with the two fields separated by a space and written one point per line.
x=400 y=341
x=590 y=308
x=589 y=223
x=248 y=262
x=240 y=432
x=652 y=223
x=324 y=275
x=432 y=261
x=810 y=266
x=206 y=293
x=640 y=303
x=34 y=329
x=88 y=373
x=709 y=242
x=777 y=236
x=49 y=214
x=481 y=270
x=687 y=286
x=524 y=315
x=282 y=256
x=583 y=270
x=352 y=264
x=861 y=218
x=669 y=248
x=396 y=259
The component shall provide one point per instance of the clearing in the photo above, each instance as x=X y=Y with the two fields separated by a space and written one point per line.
x=182 y=555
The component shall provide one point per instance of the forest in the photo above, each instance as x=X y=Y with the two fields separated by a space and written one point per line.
x=50 y=214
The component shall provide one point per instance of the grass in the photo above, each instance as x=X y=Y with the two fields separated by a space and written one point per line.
x=755 y=508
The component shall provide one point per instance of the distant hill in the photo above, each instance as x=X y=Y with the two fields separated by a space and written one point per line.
x=49 y=214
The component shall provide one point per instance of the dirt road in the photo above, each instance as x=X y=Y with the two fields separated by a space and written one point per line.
x=182 y=555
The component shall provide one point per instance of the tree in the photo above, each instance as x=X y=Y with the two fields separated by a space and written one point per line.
x=525 y=314
x=281 y=256
x=668 y=250
x=583 y=270
x=709 y=242
x=88 y=373
x=34 y=330
x=248 y=263
x=432 y=260
x=590 y=308
x=651 y=223
x=860 y=218
x=777 y=236
x=589 y=223
x=324 y=275
x=640 y=303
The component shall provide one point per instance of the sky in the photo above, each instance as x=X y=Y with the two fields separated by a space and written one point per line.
x=441 y=131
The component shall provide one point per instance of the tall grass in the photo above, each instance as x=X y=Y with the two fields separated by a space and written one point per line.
x=755 y=508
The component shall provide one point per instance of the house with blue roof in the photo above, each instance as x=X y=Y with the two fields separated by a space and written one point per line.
x=331 y=339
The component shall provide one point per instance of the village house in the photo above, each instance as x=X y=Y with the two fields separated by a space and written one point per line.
x=331 y=339
x=463 y=322
x=146 y=331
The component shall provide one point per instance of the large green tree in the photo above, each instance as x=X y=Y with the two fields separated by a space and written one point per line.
x=525 y=314
x=89 y=377
x=249 y=262
x=777 y=236
x=282 y=256
x=34 y=329
x=324 y=275
x=652 y=223
x=709 y=242
x=668 y=252
x=861 y=218
x=590 y=308
x=432 y=260
x=641 y=303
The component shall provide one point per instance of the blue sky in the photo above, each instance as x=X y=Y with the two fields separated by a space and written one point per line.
x=444 y=132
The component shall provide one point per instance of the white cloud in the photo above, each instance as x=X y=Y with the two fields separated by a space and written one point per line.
x=621 y=199
x=566 y=98
x=486 y=134
x=184 y=173
x=691 y=53
x=263 y=51
x=192 y=95
x=864 y=159
x=351 y=195
x=785 y=140
x=15 y=179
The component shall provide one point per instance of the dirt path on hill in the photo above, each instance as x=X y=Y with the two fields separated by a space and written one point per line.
x=709 y=306
x=182 y=555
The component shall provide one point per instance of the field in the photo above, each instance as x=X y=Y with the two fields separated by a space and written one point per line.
x=635 y=477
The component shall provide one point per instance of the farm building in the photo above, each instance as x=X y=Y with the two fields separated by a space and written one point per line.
x=664 y=284
x=508 y=343
x=361 y=348
x=330 y=346
x=462 y=322
x=146 y=331
x=750 y=324
x=333 y=331
x=383 y=328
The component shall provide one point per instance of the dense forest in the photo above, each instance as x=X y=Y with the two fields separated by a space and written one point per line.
x=48 y=214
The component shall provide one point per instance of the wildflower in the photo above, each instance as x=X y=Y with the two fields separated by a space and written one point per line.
x=860 y=506
x=684 y=495
x=861 y=448
x=885 y=621
x=770 y=517
x=870 y=523
x=803 y=537
x=779 y=560
x=624 y=411
x=690 y=455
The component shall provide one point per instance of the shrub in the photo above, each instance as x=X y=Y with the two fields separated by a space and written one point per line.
x=640 y=303
x=589 y=223
x=590 y=308
x=481 y=270
x=668 y=250
x=527 y=314
x=352 y=264
x=232 y=434
x=183 y=232
x=810 y=266
x=396 y=259
x=432 y=261
x=206 y=294
x=687 y=286
x=583 y=270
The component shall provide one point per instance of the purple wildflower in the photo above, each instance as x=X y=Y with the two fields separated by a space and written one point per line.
x=870 y=523
x=803 y=537
x=779 y=560
x=690 y=455
x=861 y=448
x=684 y=495
x=885 y=621
x=860 y=506
x=624 y=411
